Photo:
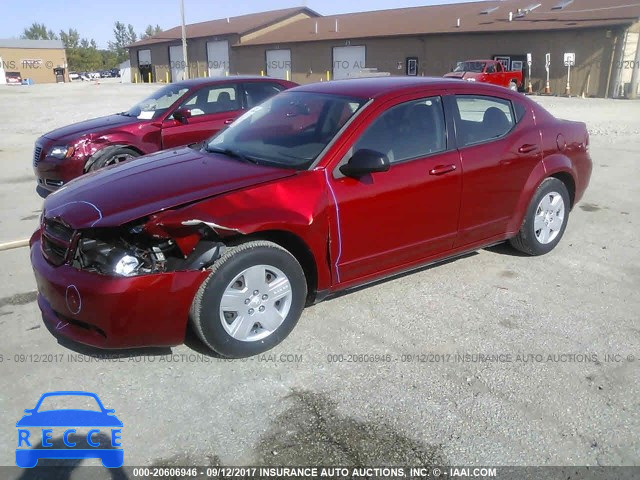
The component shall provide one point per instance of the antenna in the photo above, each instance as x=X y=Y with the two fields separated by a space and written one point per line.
x=316 y=26
x=510 y=16
x=458 y=23
x=336 y=24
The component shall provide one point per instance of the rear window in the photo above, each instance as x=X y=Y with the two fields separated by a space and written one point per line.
x=483 y=118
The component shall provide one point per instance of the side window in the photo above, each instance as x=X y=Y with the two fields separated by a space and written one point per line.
x=409 y=130
x=482 y=118
x=215 y=99
x=258 y=92
x=499 y=67
x=491 y=68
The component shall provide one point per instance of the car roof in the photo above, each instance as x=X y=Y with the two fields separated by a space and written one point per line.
x=195 y=82
x=374 y=87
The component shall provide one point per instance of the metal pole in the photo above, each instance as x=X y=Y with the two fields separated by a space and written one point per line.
x=613 y=54
x=568 y=89
x=184 y=42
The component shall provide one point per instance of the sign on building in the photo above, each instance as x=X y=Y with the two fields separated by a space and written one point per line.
x=569 y=59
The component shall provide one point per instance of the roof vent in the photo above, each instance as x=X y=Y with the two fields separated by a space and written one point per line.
x=490 y=10
x=228 y=20
x=336 y=24
x=562 y=4
x=510 y=16
x=458 y=23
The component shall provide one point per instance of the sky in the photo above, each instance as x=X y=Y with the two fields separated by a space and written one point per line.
x=95 y=19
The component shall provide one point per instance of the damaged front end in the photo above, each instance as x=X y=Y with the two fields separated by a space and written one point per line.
x=143 y=248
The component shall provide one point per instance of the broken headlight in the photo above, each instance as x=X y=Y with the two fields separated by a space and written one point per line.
x=120 y=257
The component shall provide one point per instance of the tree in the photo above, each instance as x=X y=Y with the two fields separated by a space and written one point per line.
x=151 y=31
x=38 y=31
x=71 y=39
x=124 y=36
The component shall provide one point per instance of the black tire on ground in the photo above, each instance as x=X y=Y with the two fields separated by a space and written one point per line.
x=205 y=315
x=526 y=240
x=110 y=156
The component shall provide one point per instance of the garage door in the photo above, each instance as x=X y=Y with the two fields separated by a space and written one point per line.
x=176 y=61
x=218 y=58
x=144 y=57
x=278 y=63
x=348 y=60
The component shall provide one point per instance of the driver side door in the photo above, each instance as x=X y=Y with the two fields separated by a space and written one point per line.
x=211 y=109
x=390 y=220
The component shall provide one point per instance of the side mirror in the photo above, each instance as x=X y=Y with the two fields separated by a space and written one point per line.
x=365 y=161
x=182 y=115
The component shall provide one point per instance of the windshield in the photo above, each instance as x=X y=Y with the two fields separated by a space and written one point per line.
x=158 y=103
x=476 y=67
x=288 y=130
x=69 y=402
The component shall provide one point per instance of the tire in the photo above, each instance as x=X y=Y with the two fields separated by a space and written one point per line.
x=548 y=214
x=513 y=85
x=259 y=266
x=110 y=156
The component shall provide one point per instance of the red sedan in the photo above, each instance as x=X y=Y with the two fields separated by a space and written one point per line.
x=321 y=188
x=177 y=114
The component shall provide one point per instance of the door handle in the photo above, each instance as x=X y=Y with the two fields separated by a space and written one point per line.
x=229 y=121
x=528 y=148
x=442 y=169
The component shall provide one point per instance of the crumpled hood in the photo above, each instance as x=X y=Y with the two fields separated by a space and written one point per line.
x=95 y=125
x=146 y=185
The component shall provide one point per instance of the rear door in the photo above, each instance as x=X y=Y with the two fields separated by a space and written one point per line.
x=211 y=109
x=499 y=145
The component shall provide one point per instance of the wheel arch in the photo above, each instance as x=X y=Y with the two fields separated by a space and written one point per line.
x=294 y=245
x=105 y=150
x=554 y=166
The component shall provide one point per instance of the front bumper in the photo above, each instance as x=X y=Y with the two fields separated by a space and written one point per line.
x=114 y=312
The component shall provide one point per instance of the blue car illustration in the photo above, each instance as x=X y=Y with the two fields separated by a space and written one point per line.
x=105 y=418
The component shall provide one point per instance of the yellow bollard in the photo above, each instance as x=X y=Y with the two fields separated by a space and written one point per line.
x=288 y=75
x=262 y=73
x=167 y=76
x=135 y=77
x=226 y=73
x=328 y=76
x=149 y=77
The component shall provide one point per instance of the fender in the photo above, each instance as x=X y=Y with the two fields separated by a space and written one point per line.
x=549 y=166
x=265 y=208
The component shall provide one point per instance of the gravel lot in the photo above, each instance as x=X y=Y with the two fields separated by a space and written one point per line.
x=561 y=402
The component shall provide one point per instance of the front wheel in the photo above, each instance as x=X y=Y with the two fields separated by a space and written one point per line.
x=251 y=301
x=545 y=220
x=111 y=156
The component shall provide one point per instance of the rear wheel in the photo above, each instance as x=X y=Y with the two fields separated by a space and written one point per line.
x=251 y=301
x=546 y=219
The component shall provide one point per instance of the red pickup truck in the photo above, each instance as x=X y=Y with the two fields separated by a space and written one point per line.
x=487 y=71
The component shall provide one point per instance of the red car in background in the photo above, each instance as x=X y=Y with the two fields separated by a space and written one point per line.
x=178 y=114
x=487 y=71
x=319 y=189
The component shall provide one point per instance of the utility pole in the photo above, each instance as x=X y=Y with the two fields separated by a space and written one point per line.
x=184 y=42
